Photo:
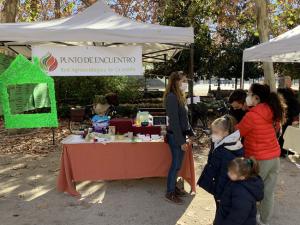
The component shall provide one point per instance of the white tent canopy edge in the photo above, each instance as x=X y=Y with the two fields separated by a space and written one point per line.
x=98 y=25
x=284 y=48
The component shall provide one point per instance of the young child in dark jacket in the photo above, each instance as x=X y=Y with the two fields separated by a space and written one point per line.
x=226 y=146
x=238 y=201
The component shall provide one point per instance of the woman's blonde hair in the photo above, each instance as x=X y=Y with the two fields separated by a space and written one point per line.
x=225 y=123
x=173 y=87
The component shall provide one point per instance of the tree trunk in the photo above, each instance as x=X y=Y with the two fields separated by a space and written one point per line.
x=219 y=85
x=298 y=96
x=9 y=11
x=57 y=7
x=235 y=83
x=8 y=15
x=263 y=29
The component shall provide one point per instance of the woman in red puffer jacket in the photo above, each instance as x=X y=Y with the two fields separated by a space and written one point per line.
x=259 y=128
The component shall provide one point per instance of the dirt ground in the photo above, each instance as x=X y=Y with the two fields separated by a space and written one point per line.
x=28 y=195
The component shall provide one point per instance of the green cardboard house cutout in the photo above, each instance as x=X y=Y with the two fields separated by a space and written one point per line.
x=24 y=85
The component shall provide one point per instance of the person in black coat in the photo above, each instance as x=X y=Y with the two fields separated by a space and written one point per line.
x=293 y=110
x=238 y=106
x=226 y=146
x=241 y=194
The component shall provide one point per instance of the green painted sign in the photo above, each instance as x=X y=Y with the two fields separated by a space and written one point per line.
x=27 y=96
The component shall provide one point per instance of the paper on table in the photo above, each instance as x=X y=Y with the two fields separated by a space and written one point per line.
x=73 y=139
x=156 y=137
x=77 y=139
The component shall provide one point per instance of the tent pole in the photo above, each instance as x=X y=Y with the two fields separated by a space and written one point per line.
x=165 y=58
x=243 y=74
x=53 y=136
x=191 y=79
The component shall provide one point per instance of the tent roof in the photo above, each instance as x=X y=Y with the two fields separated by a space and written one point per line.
x=98 y=23
x=284 y=48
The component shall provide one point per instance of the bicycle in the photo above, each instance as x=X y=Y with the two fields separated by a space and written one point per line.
x=224 y=109
x=199 y=114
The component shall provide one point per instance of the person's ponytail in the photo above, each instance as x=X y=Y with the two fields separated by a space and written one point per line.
x=225 y=123
x=278 y=106
x=254 y=167
x=275 y=101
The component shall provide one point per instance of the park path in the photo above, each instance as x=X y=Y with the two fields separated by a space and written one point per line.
x=28 y=197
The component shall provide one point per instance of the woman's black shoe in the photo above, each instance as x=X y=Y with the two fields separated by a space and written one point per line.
x=171 y=197
x=285 y=153
x=179 y=192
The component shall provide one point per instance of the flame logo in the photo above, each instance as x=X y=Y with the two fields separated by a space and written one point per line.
x=49 y=62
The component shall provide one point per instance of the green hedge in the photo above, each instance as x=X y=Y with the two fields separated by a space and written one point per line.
x=81 y=90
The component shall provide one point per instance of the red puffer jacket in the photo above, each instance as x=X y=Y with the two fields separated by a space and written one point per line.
x=259 y=134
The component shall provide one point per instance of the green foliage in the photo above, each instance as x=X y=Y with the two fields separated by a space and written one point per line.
x=227 y=61
x=288 y=69
x=33 y=10
x=127 y=110
x=223 y=29
x=241 y=16
x=285 y=15
x=218 y=48
x=82 y=90
x=184 y=13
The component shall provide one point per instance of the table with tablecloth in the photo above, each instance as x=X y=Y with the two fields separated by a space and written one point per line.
x=291 y=138
x=82 y=161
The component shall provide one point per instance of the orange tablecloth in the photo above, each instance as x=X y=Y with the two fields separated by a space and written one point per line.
x=115 y=161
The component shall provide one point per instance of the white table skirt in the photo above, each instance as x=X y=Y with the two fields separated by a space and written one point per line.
x=292 y=139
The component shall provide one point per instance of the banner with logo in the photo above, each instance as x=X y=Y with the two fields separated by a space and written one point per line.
x=90 y=60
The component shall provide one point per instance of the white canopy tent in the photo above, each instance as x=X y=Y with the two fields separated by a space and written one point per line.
x=284 y=48
x=98 y=25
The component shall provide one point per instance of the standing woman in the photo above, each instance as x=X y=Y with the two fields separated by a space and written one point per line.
x=260 y=127
x=179 y=128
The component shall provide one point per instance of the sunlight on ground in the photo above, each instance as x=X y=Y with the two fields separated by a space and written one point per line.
x=28 y=190
x=19 y=180
x=94 y=190
x=32 y=194
x=6 y=190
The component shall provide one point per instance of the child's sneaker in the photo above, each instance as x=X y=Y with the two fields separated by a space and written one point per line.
x=261 y=223
x=258 y=221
